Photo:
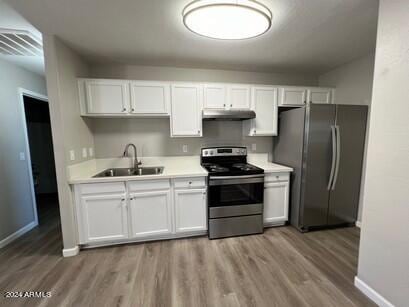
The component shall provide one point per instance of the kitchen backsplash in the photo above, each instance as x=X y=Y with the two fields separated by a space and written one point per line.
x=152 y=137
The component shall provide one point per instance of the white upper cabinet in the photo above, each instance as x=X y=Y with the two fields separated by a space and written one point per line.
x=264 y=103
x=150 y=98
x=238 y=97
x=214 y=96
x=186 y=110
x=226 y=96
x=150 y=213
x=107 y=96
x=319 y=95
x=292 y=96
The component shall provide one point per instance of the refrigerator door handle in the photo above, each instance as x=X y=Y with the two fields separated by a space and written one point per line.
x=338 y=134
x=334 y=157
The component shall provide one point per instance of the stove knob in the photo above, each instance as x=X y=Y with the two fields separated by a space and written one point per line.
x=211 y=153
x=205 y=152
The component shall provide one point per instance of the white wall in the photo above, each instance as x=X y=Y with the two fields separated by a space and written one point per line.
x=384 y=246
x=152 y=137
x=16 y=209
x=353 y=83
x=199 y=75
x=70 y=131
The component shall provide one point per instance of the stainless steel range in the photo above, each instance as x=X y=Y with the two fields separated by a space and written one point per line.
x=235 y=193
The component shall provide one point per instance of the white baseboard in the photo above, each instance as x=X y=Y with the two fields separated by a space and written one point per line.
x=371 y=293
x=358 y=224
x=17 y=234
x=70 y=252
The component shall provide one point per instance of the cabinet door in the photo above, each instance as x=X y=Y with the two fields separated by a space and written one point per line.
x=107 y=96
x=190 y=210
x=150 y=214
x=276 y=202
x=104 y=217
x=186 y=110
x=239 y=97
x=264 y=103
x=292 y=96
x=214 y=96
x=320 y=95
x=148 y=97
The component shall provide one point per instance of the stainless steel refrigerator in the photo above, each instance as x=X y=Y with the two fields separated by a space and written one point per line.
x=325 y=146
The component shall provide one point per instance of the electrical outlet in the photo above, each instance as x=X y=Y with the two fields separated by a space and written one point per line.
x=22 y=156
x=254 y=147
x=91 y=151
x=84 y=153
x=72 y=155
x=184 y=148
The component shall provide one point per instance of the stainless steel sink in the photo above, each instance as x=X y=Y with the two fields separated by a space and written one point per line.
x=118 y=172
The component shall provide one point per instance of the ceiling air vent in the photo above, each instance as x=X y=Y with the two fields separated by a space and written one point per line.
x=19 y=42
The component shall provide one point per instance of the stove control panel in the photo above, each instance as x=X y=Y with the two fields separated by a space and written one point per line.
x=224 y=151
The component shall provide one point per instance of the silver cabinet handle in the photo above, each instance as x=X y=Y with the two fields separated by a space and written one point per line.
x=338 y=157
x=334 y=155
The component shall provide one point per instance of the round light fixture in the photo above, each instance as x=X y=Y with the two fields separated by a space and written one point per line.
x=227 y=19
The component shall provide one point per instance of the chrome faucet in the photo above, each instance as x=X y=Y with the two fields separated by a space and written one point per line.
x=136 y=163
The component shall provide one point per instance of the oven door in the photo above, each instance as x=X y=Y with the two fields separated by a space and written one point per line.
x=235 y=190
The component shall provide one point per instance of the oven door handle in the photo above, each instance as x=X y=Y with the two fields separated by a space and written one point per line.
x=237 y=180
x=236 y=177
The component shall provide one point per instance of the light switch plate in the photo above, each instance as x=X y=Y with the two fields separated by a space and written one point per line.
x=72 y=155
x=91 y=151
x=185 y=149
x=22 y=156
x=253 y=147
x=84 y=153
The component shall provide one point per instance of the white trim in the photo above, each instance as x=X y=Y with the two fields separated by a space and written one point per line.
x=371 y=293
x=23 y=92
x=70 y=252
x=358 y=224
x=17 y=234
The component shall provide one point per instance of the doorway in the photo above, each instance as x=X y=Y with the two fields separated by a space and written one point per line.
x=41 y=158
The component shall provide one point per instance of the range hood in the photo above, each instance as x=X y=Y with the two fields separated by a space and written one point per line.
x=228 y=114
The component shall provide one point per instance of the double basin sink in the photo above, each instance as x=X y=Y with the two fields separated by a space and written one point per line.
x=120 y=172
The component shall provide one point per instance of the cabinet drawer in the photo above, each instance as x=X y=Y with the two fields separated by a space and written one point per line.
x=102 y=188
x=190 y=183
x=274 y=177
x=148 y=185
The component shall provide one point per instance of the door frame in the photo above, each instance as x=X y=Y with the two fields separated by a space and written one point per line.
x=21 y=93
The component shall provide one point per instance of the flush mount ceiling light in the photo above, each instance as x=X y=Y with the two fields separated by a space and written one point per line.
x=227 y=19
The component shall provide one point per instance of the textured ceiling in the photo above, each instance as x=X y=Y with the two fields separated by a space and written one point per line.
x=306 y=35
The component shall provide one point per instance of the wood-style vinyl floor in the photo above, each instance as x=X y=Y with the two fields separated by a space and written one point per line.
x=282 y=267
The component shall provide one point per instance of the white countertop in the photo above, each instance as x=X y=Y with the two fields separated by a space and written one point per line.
x=174 y=167
x=261 y=161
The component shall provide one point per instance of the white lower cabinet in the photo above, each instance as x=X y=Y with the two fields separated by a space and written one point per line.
x=104 y=218
x=276 y=199
x=190 y=210
x=150 y=213
x=140 y=210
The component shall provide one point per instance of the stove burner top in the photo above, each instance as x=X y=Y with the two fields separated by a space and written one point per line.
x=216 y=168
x=244 y=166
x=231 y=169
